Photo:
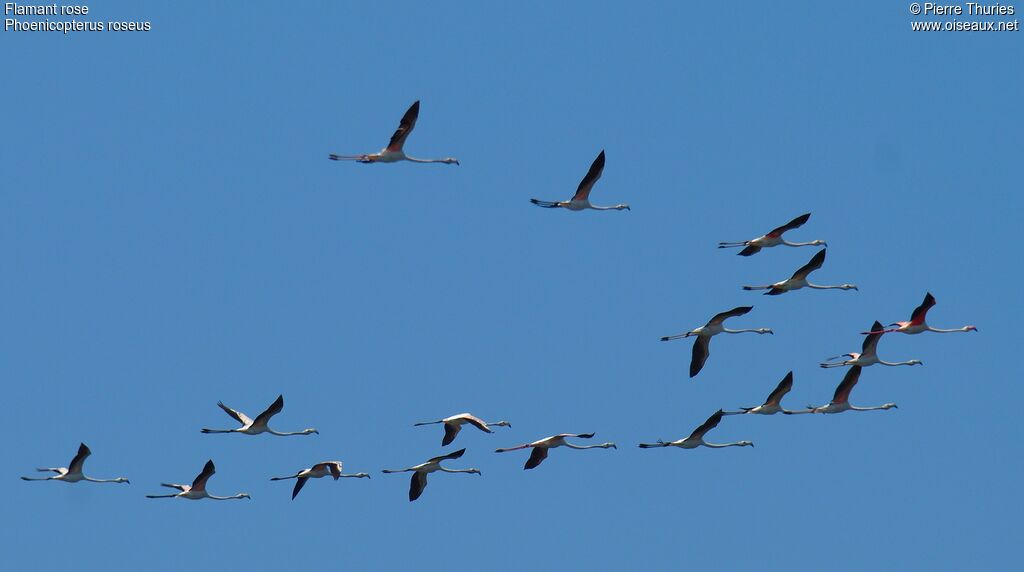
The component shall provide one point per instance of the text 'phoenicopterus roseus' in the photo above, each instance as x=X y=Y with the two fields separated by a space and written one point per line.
x=916 y=325
x=581 y=200
x=704 y=333
x=773 y=238
x=799 y=279
x=696 y=439
x=197 y=490
x=73 y=472
x=868 y=353
x=540 y=448
x=258 y=425
x=332 y=468
x=841 y=399
x=773 y=404
x=420 y=472
x=453 y=424
x=393 y=152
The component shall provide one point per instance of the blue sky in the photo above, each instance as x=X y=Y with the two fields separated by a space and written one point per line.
x=173 y=235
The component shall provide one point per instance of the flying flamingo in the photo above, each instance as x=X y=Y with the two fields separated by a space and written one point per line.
x=773 y=238
x=197 y=490
x=841 y=400
x=799 y=279
x=704 y=333
x=258 y=425
x=916 y=325
x=773 y=404
x=332 y=468
x=696 y=439
x=868 y=353
x=420 y=472
x=581 y=200
x=540 y=448
x=73 y=472
x=453 y=424
x=393 y=152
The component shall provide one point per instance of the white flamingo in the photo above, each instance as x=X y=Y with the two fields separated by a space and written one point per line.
x=841 y=400
x=581 y=200
x=420 y=472
x=799 y=279
x=773 y=404
x=868 y=353
x=393 y=152
x=916 y=325
x=541 y=447
x=197 y=490
x=332 y=468
x=258 y=425
x=773 y=238
x=73 y=472
x=696 y=439
x=715 y=326
x=453 y=424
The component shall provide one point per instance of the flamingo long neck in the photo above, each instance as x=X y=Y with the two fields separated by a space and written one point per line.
x=875 y=408
x=609 y=208
x=601 y=446
x=415 y=160
x=812 y=243
x=117 y=480
x=728 y=331
x=238 y=496
x=720 y=445
x=829 y=287
x=950 y=331
x=911 y=362
x=355 y=476
x=446 y=470
x=272 y=432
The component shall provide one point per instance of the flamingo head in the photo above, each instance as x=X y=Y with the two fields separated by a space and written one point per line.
x=971 y=329
x=819 y=243
x=890 y=406
x=849 y=287
x=450 y=160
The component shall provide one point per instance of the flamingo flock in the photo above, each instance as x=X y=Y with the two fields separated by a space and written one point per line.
x=580 y=201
